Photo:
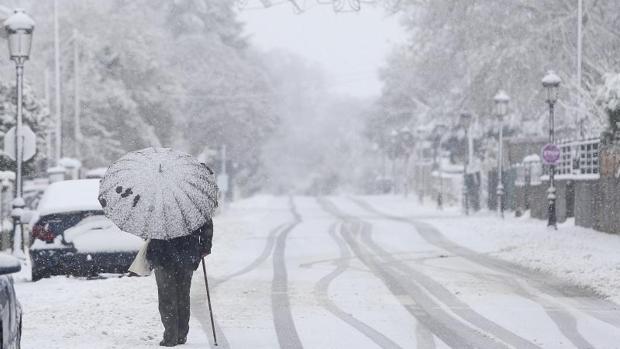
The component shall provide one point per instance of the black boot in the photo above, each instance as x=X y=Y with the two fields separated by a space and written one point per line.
x=165 y=343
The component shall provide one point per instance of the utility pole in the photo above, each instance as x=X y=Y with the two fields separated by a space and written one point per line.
x=222 y=178
x=580 y=114
x=58 y=149
x=224 y=159
x=76 y=99
x=48 y=131
x=46 y=86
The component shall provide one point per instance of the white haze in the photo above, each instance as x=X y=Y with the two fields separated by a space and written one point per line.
x=350 y=47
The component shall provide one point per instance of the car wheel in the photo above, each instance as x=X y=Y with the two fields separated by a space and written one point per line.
x=38 y=273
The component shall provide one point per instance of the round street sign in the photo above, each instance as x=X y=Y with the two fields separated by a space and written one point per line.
x=551 y=154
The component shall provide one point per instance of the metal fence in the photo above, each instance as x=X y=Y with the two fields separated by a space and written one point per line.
x=578 y=160
x=579 y=157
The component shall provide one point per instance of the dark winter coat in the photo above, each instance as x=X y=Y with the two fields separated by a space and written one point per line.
x=183 y=252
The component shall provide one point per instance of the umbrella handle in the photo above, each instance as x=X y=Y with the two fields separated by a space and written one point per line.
x=204 y=271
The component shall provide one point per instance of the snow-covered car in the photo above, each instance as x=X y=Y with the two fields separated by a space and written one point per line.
x=70 y=235
x=10 y=309
x=33 y=191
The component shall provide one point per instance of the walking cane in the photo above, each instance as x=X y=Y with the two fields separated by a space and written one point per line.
x=204 y=271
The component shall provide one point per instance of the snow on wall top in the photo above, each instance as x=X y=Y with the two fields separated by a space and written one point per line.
x=70 y=196
x=96 y=172
x=70 y=163
x=532 y=158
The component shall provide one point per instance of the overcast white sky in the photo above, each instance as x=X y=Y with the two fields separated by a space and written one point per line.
x=351 y=47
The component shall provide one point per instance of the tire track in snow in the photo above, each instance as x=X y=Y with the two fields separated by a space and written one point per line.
x=424 y=337
x=564 y=320
x=415 y=298
x=445 y=296
x=321 y=291
x=280 y=303
x=562 y=317
x=419 y=303
x=265 y=253
x=205 y=320
x=199 y=301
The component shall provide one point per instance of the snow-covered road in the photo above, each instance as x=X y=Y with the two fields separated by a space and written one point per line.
x=335 y=272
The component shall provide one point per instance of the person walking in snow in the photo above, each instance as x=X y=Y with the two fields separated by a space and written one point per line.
x=174 y=262
x=168 y=198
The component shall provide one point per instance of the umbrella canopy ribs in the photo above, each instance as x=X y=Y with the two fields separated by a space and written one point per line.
x=158 y=193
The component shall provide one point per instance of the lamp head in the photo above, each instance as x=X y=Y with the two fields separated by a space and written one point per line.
x=466 y=119
x=551 y=82
x=501 y=103
x=19 y=28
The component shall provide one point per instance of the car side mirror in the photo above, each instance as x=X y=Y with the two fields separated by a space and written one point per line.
x=9 y=264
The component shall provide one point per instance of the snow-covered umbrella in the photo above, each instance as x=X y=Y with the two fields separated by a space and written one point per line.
x=158 y=193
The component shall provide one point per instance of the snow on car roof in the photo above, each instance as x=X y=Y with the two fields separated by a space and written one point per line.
x=96 y=172
x=70 y=196
x=8 y=261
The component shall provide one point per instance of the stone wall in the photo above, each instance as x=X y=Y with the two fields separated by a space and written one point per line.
x=594 y=202
x=534 y=198
x=606 y=203
x=588 y=203
x=537 y=198
x=508 y=179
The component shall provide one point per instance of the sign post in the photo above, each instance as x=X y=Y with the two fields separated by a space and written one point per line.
x=551 y=154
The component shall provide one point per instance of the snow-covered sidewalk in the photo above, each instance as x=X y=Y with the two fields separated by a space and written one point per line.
x=584 y=257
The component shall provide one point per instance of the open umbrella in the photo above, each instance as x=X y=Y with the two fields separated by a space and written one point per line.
x=158 y=193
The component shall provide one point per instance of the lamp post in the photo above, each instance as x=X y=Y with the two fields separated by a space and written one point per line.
x=420 y=164
x=407 y=142
x=529 y=162
x=501 y=109
x=551 y=82
x=19 y=28
x=393 y=154
x=440 y=130
x=466 y=124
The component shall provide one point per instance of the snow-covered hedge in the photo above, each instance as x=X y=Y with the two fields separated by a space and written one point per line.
x=608 y=97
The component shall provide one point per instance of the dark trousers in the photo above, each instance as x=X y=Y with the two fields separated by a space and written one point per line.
x=173 y=286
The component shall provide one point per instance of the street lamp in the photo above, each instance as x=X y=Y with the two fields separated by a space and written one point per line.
x=420 y=165
x=501 y=109
x=551 y=82
x=407 y=141
x=466 y=124
x=440 y=130
x=393 y=154
x=19 y=28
